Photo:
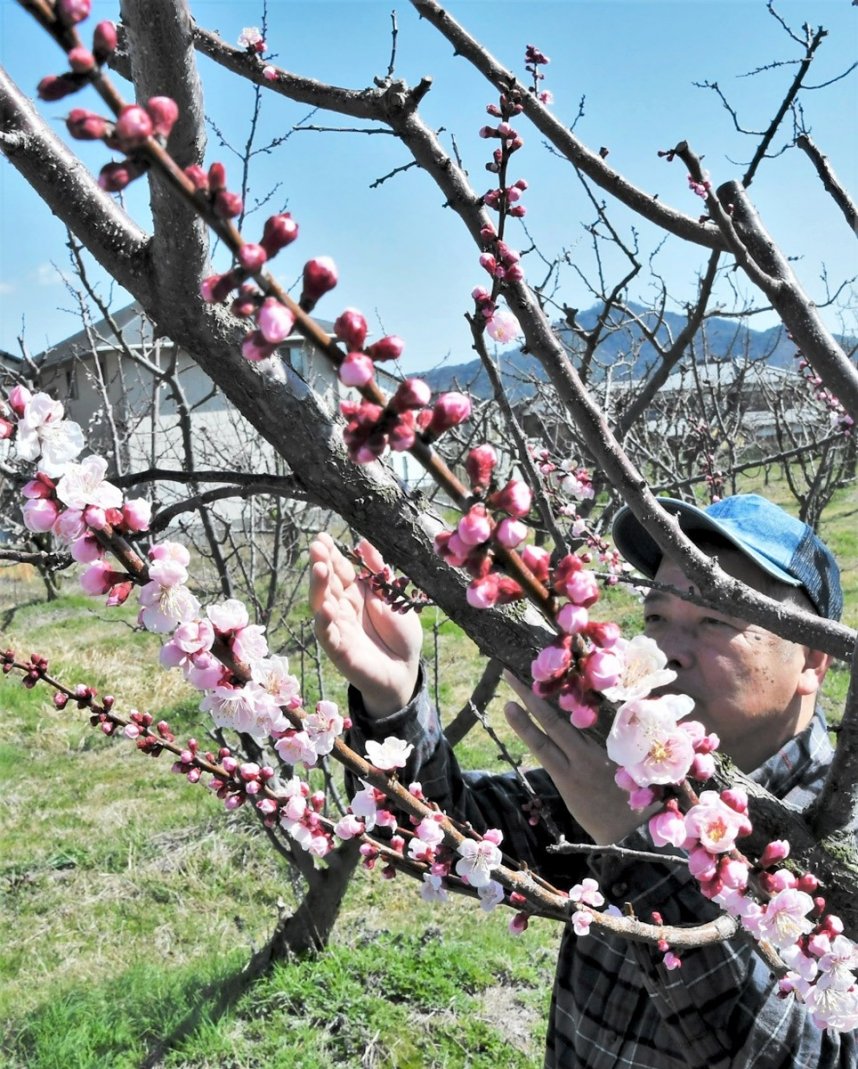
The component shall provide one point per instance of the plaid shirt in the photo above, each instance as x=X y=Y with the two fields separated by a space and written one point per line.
x=614 y=1004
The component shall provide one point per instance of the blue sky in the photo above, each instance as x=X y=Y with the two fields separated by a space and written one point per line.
x=404 y=259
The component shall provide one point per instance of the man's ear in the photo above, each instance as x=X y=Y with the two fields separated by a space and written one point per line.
x=816 y=664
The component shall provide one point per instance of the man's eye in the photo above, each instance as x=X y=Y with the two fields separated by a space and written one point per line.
x=715 y=622
x=651 y=618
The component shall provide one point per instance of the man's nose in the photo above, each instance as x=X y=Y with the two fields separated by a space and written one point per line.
x=677 y=644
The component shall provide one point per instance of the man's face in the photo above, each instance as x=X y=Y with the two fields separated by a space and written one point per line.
x=745 y=681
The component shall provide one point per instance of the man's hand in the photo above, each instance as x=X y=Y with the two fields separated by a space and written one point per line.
x=375 y=648
x=576 y=763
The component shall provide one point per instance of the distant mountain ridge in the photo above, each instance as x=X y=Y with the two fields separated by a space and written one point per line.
x=718 y=339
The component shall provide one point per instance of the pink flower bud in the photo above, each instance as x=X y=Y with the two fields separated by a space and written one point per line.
x=356 y=370
x=57 y=86
x=603 y=633
x=217 y=288
x=85 y=125
x=251 y=256
x=256 y=348
x=511 y=532
x=515 y=498
x=269 y=73
x=104 y=40
x=6 y=429
x=403 y=433
x=413 y=393
x=475 y=527
x=320 y=275
x=275 y=321
x=81 y=60
x=99 y=578
x=278 y=232
x=227 y=205
x=702 y=767
x=132 y=127
x=483 y=593
x=351 y=329
x=114 y=177
x=137 y=514
x=488 y=262
x=450 y=410
x=552 y=663
x=775 y=851
x=537 y=560
x=40 y=514
x=73 y=11
x=388 y=348
x=163 y=111
x=572 y=618
x=86 y=549
x=601 y=669
x=198 y=177
x=480 y=464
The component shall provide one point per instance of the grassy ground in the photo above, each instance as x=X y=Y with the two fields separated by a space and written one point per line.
x=129 y=899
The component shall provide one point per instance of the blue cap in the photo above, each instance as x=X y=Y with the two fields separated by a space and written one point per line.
x=782 y=546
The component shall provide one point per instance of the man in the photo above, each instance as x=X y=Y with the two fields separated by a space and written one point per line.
x=615 y=1004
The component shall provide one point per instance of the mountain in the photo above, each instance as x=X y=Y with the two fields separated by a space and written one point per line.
x=718 y=339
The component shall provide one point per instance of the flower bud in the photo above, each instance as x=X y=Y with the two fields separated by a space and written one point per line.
x=252 y=256
x=275 y=321
x=320 y=275
x=483 y=593
x=511 y=532
x=114 y=177
x=81 y=60
x=572 y=618
x=508 y=590
x=450 y=410
x=6 y=429
x=475 y=527
x=137 y=514
x=537 y=560
x=163 y=111
x=73 y=11
x=413 y=393
x=351 y=329
x=227 y=205
x=388 y=348
x=57 y=86
x=356 y=370
x=256 y=348
x=217 y=177
x=278 y=232
x=403 y=433
x=480 y=464
x=86 y=125
x=40 y=514
x=104 y=40
x=515 y=498
x=199 y=178
x=132 y=127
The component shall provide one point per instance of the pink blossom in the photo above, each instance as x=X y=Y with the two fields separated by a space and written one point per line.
x=247 y=709
x=503 y=326
x=84 y=484
x=581 y=921
x=644 y=670
x=272 y=673
x=42 y=432
x=671 y=961
x=646 y=739
x=510 y=532
x=295 y=746
x=572 y=618
x=389 y=347
x=99 y=578
x=389 y=754
x=475 y=527
x=163 y=111
x=515 y=499
x=167 y=572
x=164 y=607
x=269 y=73
x=323 y=726
x=429 y=831
x=433 y=888
x=228 y=616
x=249 y=644
x=715 y=824
x=701 y=864
x=251 y=37
x=587 y=893
x=477 y=861
x=86 y=549
x=785 y=919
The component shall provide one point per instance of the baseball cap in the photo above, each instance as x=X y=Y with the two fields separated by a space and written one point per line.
x=782 y=546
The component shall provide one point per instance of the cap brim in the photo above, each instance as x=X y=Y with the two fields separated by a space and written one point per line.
x=642 y=552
